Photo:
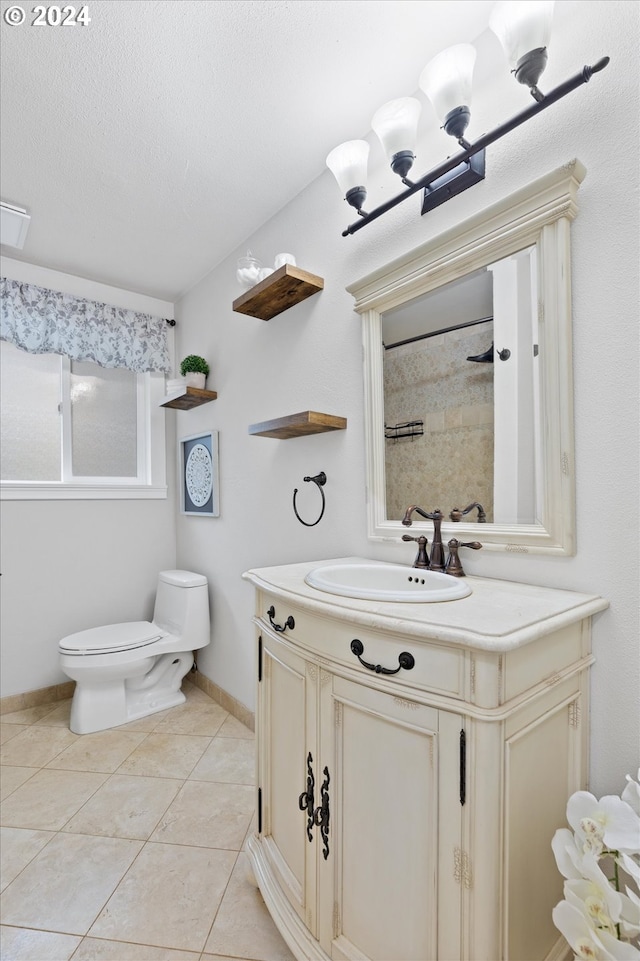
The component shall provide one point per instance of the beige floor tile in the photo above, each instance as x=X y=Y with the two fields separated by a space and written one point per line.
x=7 y=731
x=227 y=759
x=17 y=847
x=66 y=885
x=125 y=807
x=208 y=815
x=194 y=717
x=165 y=755
x=168 y=898
x=104 y=751
x=12 y=777
x=24 y=944
x=143 y=724
x=97 y=949
x=48 y=799
x=243 y=926
x=28 y=716
x=232 y=727
x=36 y=746
x=59 y=716
x=220 y=957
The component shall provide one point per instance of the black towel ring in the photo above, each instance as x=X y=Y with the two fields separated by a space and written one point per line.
x=320 y=479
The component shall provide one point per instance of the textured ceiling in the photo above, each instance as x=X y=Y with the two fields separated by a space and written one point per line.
x=150 y=143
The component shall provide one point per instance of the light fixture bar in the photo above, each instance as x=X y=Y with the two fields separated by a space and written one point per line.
x=448 y=187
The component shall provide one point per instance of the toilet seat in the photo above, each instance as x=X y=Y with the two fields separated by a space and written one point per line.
x=112 y=638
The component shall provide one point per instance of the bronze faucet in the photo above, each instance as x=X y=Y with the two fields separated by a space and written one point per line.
x=437 y=563
x=437 y=549
x=456 y=514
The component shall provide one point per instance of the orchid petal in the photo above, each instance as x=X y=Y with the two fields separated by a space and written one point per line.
x=620 y=950
x=567 y=854
x=631 y=793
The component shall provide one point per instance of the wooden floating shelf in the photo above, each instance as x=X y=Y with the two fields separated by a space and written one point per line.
x=285 y=287
x=188 y=397
x=298 y=425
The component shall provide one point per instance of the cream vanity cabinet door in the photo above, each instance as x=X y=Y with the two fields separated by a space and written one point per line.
x=287 y=735
x=393 y=793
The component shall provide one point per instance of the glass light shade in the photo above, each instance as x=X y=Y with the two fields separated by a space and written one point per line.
x=396 y=125
x=522 y=26
x=348 y=164
x=446 y=80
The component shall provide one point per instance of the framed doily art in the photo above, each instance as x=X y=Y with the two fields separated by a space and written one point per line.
x=199 y=475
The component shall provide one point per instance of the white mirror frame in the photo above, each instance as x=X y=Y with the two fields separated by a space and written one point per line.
x=539 y=214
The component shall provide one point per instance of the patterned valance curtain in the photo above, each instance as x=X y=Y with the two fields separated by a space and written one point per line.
x=43 y=321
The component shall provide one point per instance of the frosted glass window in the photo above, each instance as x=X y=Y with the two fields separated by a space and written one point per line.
x=30 y=438
x=104 y=416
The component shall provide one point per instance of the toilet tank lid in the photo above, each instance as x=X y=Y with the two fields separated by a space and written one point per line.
x=111 y=638
x=183 y=578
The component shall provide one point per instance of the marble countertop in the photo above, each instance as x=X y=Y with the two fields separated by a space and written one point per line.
x=497 y=616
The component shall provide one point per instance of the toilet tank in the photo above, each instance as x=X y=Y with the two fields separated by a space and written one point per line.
x=182 y=607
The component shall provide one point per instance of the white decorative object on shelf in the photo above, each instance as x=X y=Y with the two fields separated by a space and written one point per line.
x=284 y=259
x=248 y=272
x=175 y=384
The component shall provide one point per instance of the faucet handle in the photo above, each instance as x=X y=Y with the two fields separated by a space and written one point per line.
x=422 y=558
x=453 y=566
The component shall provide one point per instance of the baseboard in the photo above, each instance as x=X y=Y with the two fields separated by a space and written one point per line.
x=44 y=695
x=229 y=703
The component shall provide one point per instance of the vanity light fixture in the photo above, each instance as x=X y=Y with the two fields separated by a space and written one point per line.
x=524 y=30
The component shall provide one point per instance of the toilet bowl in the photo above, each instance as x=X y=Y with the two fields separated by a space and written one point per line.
x=129 y=670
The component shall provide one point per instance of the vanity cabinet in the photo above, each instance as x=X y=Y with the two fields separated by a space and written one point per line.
x=408 y=816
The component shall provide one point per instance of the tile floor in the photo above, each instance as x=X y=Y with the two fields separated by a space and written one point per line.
x=126 y=845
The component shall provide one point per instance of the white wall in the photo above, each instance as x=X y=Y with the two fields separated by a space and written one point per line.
x=311 y=358
x=70 y=565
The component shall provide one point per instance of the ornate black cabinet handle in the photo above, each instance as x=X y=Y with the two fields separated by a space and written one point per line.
x=306 y=800
x=321 y=813
x=405 y=660
x=289 y=623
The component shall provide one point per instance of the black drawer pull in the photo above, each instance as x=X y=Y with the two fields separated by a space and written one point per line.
x=289 y=623
x=306 y=799
x=405 y=660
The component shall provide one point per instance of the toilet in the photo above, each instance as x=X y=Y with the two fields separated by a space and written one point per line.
x=127 y=671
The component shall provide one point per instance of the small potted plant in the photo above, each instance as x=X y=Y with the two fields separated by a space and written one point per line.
x=195 y=369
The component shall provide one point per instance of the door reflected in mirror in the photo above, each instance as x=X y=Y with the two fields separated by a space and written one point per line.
x=460 y=379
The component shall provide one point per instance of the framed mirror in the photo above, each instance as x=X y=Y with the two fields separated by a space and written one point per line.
x=468 y=376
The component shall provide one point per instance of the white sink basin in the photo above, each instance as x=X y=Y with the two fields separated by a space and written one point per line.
x=387 y=582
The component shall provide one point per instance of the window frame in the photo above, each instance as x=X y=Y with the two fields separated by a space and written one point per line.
x=150 y=482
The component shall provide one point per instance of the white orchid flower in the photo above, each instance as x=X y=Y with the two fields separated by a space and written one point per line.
x=593 y=891
x=591 y=905
x=609 y=822
x=576 y=929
